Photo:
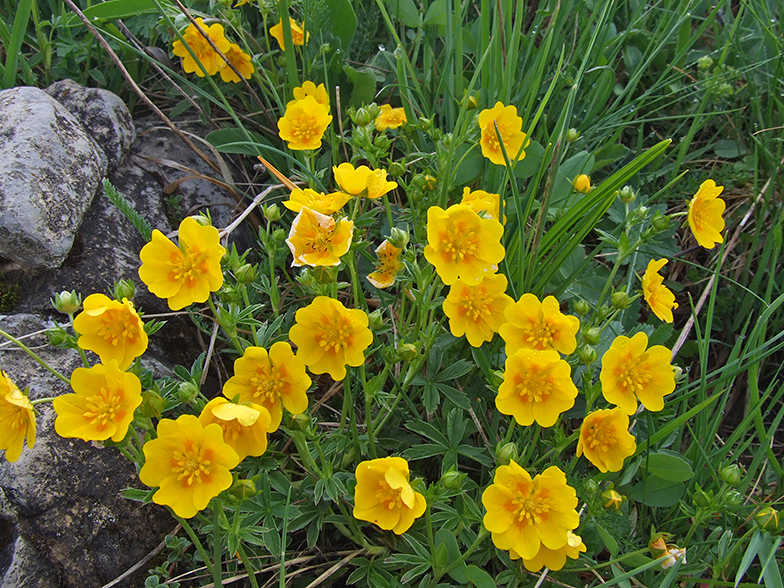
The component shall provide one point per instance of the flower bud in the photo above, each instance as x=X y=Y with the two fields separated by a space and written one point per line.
x=67 y=302
x=680 y=375
x=272 y=212
x=203 y=220
x=245 y=274
x=496 y=378
x=306 y=278
x=506 y=453
x=701 y=498
x=620 y=300
x=382 y=142
x=581 y=307
x=730 y=474
x=572 y=135
x=582 y=183
x=660 y=222
x=429 y=183
x=301 y=421
x=153 y=404
x=627 y=195
x=732 y=499
x=446 y=140
x=124 y=289
x=767 y=519
x=590 y=486
x=452 y=480
x=704 y=63
x=407 y=351
x=611 y=500
x=243 y=489
x=187 y=392
x=638 y=214
x=361 y=117
x=592 y=335
x=470 y=102
x=59 y=337
x=424 y=124
x=399 y=238
x=397 y=169
x=374 y=110
x=279 y=235
x=375 y=320
x=587 y=354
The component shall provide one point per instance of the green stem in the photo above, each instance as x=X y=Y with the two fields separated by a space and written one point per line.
x=246 y=299
x=35 y=356
x=389 y=212
x=42 y=400
x=483 y=533
x=195 y=540
x=248 y=566
x=82 y=354
x=217 y=508
x=354 y=533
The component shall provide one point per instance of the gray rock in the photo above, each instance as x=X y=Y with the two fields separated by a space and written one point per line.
x=62 y=496
x=25 y=568
x=51 y=169
x=104 y=116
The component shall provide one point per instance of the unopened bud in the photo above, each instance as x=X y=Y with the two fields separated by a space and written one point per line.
x=582 y=183
x=470 y=102
x=506 y=453
x=59 y=337
x=626 y=195
x=279 y=235
x=375 y=320
x=424 y=124
x=581 y=307
x=704 y=63
x=187 y=392
x=203 y=220
x=701 y=498
x=407 y=351
x=572 y=135
x=67 y=302
x=590 y=486
x=679 y=374
x=153 y=404
x=446 y=140
x=397 y=169
x=124 y=289
x=587 y=354
x=429 y=183
x=246 y=273
x=620 y=300
x=362 y=117
x=452 y=480
x=611 y=500
x=732 y=498
x=272 y=212
x=243 y=489
x=638 y=214
x=767 y=519
x=730 y=474
x=301 y=421
x=496 y=378
x=399 y=238
x=592 y=335
x=660 y=222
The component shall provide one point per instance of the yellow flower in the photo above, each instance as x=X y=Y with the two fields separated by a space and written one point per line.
x=17 y=419
x=605 y=439
x=186 y=274
x=531 y=324
x=111 y=329
x=554 y=559
x=525 y=514
x=206 y=55
x=461 y=244
x=631 y=371
x=308 y=88
x=482 y=202
x=705 y=210
x=330 y=336
x=477 y=311
x=273 y=380
x=362 y=181
x=304 y=123
x=390 y=118
x=102 y=406
x=510 y=128
x=239 y=59
x=582 y=183
x=388 y=265
x=537 y=387
x=316 y=201
x=383 y=495
x=297 y=33
x=188 y=463
x=657 y=295
x=244 y=426
x=316 y=239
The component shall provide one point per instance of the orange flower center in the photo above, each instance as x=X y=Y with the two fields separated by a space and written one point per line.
x=539 y=333
x=600 y=435
x=475 y=304
x=460 y=243
x=528 y=511
x=388 y=496
x=118 y=326
x=304 y=128
x=188 y=266
x=633 y=373
x=698 y=215
x=19 y=420
x=190 y=466
x=102 y=408
x=533 y=387
x=335 y=337
x=267 y=389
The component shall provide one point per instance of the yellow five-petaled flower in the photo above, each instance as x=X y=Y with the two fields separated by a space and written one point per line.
x=318 y=240
x=705 y=210
x=384 y=496
x=658 y=296
x=17 y=419
x=209 y=59
x=605 y=439
x=509 y=126
x=531 y=324
x=477 y=311
x=303 y=124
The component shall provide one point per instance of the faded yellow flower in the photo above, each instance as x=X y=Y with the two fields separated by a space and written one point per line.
x=17 y=419
x=185 y=274
x=111 y=329
x=605 y=439
x=531 y=324
x=388 y=265
x=297 y=33
x=330 y=336
x=304 y=123
x=244 y=426
x=477 y=311
x=383 y=495
x=631 y=371
x=239 y=59
x=509 y=127
x=274 y=379
x=102 y=405
x=188 y=463
x=705 y=210
x=524 y=514
x=658 y=296
x=206 y=55
x=461 y=244
x=316 y=239
x=390 y=118
x=537 y=387
x=316 y=201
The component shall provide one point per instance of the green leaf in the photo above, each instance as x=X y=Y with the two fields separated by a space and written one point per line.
x=609 y=542
x=668 y=467
x=114 y=9
x=406 y=12
x=363 y=85
x=657 y=492
x=342 y=20
x=529 y=165
x=234 y=140
x=607 y=155
x=748 y=556
x=729 y=149
x=436 y=14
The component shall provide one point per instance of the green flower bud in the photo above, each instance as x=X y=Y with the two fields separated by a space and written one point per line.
x=375 y=320
x=701 y=498
x=572 y=135
x=279 y=235
x=397 y=169
x=407 y=352
x=581 y=307
x=429 y=184
x=245 y=274
x=730 y=474
x=374 y=110
x=638 y=214
x=592 y=336
x=124 y=289
x=301 y=421
x=506 y=453
x=362 y=117
x=627 y=195
x=660 y=222
x=306 y=278
x=620 y=300
x=587 y=354
x=382 y=142
x=470 y=102
x=424 y=124
x=446 y=140
x=767 y=519
x=153 y=404
x=452 y=480
x=243 y=489
x=399 y=238
x=590 y=486
x=679 y=374
x=496 y=378
x=187 y=392
x=67 y=302
x=272 y=212
x=732 y=498
x=704 y=63
x=59 y=337
x=611 y=500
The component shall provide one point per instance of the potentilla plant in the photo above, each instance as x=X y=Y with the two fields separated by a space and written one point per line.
x=433 y=378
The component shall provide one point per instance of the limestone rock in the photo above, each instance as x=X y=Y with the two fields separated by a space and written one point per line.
x=51 y=169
